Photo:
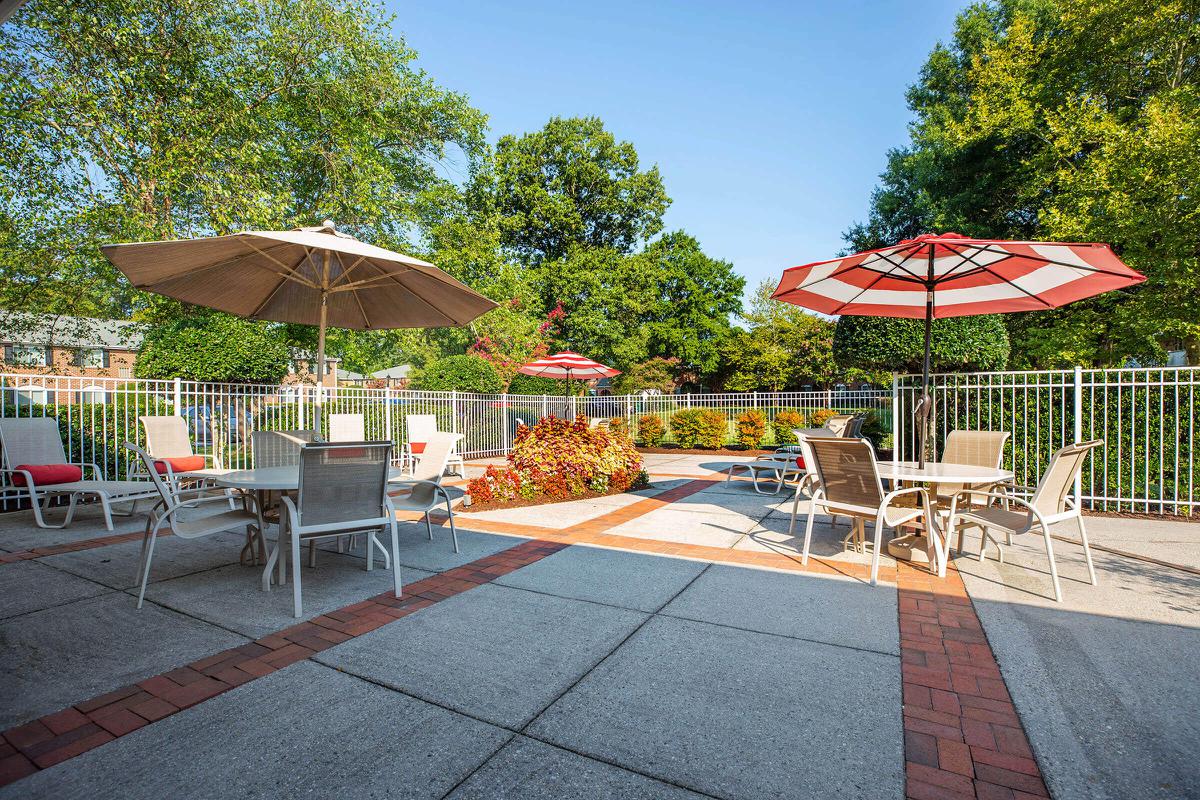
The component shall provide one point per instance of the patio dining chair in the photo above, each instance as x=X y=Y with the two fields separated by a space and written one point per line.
x=425 y=490
x=347 y=428
x=34 y=466
x=342 y=489
x=848 y=484
x=188 y=514
x=420 y=427
x=1049 y=502
x=977 y=448
x=170 y=444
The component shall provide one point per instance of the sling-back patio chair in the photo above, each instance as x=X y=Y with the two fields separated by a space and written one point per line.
x=420 y=428
x=849 y=485
x=170 y=444
x=347 y=428
x=34 y=466
x=188 y=514
x=425 y=490
x=1049 y=502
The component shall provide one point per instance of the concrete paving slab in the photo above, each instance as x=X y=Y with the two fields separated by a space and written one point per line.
x=232 y=596
x=304 y=731
x=29 y=586
x=495 y=653
x=62 y=655
x=526 y=769
x=1173 y=541
x=834 y=610
x=116 y=565
x=614 y=577
x=19 y=532
x=1105 y=682
x=688 y=527
x=771 y=536
x=735 y=500
x=437 y=556
x=739 y=714
x=557 y=515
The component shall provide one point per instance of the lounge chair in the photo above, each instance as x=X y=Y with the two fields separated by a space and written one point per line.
x=849 y=485
x=188 y=514
x=425 y=490
x=1049 y=502
x=343 y=489
x=420 y=428
x=35 y=466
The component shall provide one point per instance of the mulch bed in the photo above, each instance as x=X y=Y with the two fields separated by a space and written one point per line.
x=521 y=502
x=724 y=451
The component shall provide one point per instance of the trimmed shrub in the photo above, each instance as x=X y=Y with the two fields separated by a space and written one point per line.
x=651 y=430
x=784 y=423
x=821 y=416
x=459 y=373
x=535 y=384
x=213 y=347
x=702 y=428
x=751 y=428
x=959 y=344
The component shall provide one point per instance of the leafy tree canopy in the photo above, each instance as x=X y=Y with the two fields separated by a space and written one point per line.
x=1075 y=120
x=959 y=344
x=784 y=348
x=654 y=373
x=572 y=185
x=463 y=373
x=124 y=120
x=214 y=347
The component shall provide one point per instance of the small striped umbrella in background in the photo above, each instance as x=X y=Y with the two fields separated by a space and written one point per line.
x=567 y=365
x=950 y=275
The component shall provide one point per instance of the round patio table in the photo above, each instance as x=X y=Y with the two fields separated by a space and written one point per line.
x=966 y=474
x=262 y=480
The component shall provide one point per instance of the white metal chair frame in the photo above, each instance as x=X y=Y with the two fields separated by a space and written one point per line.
x=425 y=490
x=868 y=502
x=174 y=512
x=168 y=437
x=1049 y=502
x=418 y=428
x=294 y=529
x=37 y=440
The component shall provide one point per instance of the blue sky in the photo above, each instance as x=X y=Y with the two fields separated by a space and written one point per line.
x=769 y=121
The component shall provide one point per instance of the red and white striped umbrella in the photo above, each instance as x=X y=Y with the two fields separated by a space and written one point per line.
x=567 y=365
x=956 y=276
x=950 y=275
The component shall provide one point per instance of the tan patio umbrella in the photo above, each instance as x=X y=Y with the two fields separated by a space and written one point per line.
x=310 y=276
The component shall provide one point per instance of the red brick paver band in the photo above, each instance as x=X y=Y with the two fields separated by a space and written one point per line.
x=962 y=735
x=65 y=734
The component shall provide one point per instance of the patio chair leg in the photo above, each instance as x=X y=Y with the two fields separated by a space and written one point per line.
x=453 y=530
x=812 y=512
x=272 y=559
x=104 y=506
x=146 y=568
x=297 y=606
x=428 y=526
x=312 y=553
x=795 y=508
x=1087 y=551
x=396 y=557
x=374 y=542
x=1053 y=566
x=874 y=555
x=145 y=544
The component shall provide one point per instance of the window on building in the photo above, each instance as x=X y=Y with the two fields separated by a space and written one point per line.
x=91 y=358
x=93 y=394
x=27 y=355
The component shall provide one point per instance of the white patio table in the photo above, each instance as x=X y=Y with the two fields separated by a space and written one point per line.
x=966 y=474
x=262 y=480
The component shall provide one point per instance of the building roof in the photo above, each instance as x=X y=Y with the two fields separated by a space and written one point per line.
x=64 y=331
x=349 y=375
x=401 y=371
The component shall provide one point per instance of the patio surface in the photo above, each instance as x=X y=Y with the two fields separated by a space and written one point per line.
x=661 y=644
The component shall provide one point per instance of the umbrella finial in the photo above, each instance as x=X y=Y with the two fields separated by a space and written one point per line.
x=329 y=224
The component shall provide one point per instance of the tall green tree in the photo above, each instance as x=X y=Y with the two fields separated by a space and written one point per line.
x=572 y=185
x=784 y=348
x=1074 y=120
x=129 y=120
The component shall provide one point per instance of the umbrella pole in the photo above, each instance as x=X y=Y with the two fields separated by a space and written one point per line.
x=321 y=331
x=926 y=405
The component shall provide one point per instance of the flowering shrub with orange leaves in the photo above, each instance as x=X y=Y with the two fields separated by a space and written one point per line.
x=557 y=459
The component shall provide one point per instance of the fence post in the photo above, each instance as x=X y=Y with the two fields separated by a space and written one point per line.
x=629 y=412
x=545 y=406
x=897 y=451
x=178 y=396
x=387 y=411
x=1079 y=432
x=454 y=411
x=504 y=432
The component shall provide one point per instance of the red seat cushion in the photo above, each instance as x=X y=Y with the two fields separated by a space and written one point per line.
x=417 y=447
x=48 y=474
x=180 y=464
x=800 y=462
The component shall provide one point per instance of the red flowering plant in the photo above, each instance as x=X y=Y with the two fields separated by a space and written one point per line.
x=557 y=459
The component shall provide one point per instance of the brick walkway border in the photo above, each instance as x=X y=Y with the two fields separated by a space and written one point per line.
x=962 y=735
x=72 y=731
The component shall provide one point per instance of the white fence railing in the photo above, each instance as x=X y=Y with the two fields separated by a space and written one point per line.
x=1147 y=419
